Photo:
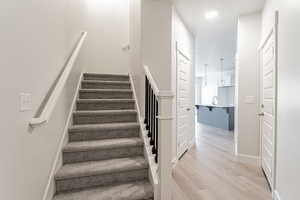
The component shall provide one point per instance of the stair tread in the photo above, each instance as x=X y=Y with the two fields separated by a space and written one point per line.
x=128 y=191
x=83 y=112
x=97 y=74
x=76 y=128
x=91 y=168
x=104 y=100
x=105 y=90
x=102 y=144
x=100 y=81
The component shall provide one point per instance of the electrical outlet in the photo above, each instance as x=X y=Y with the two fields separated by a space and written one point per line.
x=25 y=102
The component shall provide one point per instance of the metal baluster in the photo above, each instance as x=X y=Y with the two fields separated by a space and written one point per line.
x=154 y=124
x=152 y=119
x=149 y=103
x=146 y=101
x=150 y=113
x=156 y=137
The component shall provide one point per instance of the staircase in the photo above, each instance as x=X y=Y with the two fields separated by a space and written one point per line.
x=104 y=158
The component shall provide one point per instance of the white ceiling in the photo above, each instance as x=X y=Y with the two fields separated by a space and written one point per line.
x=215 y=38
x=193 y=11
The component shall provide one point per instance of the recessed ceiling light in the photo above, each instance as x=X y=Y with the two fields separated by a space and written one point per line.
x=211 y=14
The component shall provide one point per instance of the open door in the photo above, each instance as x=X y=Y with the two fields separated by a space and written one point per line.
x=268 y=102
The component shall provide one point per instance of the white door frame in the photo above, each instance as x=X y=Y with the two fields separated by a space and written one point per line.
x=273 y=30
x=179 y=49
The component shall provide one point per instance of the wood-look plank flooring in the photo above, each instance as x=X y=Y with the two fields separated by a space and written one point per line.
x=210 y=171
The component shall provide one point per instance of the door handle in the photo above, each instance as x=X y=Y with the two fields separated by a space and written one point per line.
x=261 y=114
x=188 y=109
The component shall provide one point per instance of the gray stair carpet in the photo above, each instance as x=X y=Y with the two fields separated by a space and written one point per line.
x=104 y=158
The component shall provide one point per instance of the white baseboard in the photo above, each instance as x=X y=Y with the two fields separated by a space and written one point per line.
x=276 y=195
x=50 y=187
x=174 y=162
x=248 y=158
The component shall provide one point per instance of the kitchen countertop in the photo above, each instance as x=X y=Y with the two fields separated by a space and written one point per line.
x=216 y=106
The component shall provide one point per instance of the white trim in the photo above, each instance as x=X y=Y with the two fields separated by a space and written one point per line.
x=248 y=158
x=151 y=80
x=274 y=30
x=180 y=50
x=166 y=94
x=51 y=102
x=153 y=167
x=56 y=164
x=276 y=195
x=165 y=117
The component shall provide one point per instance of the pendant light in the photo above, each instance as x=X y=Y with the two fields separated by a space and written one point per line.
x=205 y=74
x=222 y=71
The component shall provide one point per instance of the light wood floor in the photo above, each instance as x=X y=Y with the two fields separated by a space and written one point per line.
x=210 y=171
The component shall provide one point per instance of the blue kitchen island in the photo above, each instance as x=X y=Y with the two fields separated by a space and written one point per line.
x=217 y=116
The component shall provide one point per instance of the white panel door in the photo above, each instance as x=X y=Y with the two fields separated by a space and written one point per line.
x=268 y=55
x=183 y=103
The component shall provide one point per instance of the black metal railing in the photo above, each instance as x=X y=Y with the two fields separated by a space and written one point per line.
x=151 y=113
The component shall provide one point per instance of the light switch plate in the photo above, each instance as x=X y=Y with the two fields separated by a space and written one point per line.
x=250 y=99
x=25 y=102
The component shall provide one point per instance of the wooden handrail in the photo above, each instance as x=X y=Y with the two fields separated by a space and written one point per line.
x=158 y=93
x=151 y=80
x=44 y=116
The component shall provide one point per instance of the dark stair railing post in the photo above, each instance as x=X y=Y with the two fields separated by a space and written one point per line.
x=146 y=101
x=151 y=113
x=156 y=137
x=154 y=127
x=152 y=119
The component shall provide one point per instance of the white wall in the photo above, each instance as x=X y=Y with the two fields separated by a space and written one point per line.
x=210 y=87
x=247 y=72
x=288 y=137
x=136 y=67
x=198 y=90
x=157 y=40
x=211 y=48
x=185 y=40
x=108 y=27
x=36 y=39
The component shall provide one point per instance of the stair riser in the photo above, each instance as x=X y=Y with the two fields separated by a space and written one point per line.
x=103 y=154
x=104 y=95
x=86 y=85
x=103 y=134
x=100 y=180
x=105 y=106
x=79 y=119
x=105 y=77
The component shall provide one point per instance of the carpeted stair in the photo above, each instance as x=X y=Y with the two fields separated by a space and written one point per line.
x=104 y=157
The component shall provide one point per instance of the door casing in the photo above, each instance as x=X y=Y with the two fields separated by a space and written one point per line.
x=272 y=33
x=180 y=50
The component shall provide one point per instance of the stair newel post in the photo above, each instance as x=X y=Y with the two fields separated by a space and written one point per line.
x=165 y=118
